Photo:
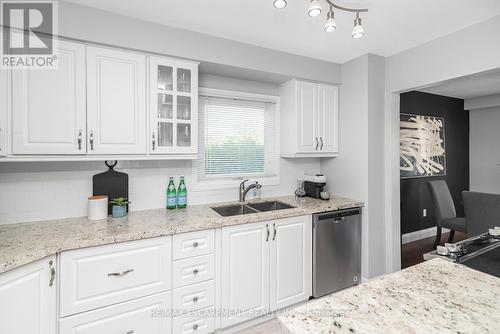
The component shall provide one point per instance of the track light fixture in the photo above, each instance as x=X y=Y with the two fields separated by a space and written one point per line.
x=279 y=4
x=330 y=24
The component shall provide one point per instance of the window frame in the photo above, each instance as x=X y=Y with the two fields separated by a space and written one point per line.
x=232 y=182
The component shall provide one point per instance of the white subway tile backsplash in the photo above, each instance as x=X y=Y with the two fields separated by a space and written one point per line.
x=42 y=191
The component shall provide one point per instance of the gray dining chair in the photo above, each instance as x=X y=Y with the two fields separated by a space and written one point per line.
x=482 y=211
x=444 y=210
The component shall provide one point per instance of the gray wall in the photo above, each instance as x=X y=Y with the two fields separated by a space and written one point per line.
x=356 y=172
x=89 y=24
x=485 y=150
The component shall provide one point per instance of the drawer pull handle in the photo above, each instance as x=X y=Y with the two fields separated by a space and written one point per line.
x=195 y=244
x=195 y=326
x=195 y=272
x=195 y=299
x=123 y=273
x=130 y=332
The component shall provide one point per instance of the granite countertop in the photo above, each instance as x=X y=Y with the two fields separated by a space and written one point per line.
x=436 y=296
x=27 y=242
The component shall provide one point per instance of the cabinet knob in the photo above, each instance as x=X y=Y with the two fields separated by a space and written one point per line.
x=195 y=299
x=195 y=272
x=195 y=326
x=195 y=244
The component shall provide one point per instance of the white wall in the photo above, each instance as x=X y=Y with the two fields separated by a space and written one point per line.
x=484 y=150
x=356 y=172
x=461 y=53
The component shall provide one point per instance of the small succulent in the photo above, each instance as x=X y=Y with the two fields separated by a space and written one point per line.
x=119 y=201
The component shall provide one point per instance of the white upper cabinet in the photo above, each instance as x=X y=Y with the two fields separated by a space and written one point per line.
x=309 y=119
x=48 y=106
x=173 y=105
x=28 y=298
x=4 y=110
x=116 y=102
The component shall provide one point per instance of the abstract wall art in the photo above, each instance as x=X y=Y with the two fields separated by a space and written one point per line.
x=422 y=146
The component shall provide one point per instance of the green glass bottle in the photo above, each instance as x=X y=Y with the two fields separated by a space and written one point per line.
x=171 y=195
x=182 y=194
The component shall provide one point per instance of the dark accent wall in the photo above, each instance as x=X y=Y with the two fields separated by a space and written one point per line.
x=414 y=193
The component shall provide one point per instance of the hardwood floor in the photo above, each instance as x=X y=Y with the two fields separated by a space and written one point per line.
x=412 y=253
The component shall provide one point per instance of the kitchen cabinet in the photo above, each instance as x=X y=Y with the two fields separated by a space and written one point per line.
x=244 y=271
x=265 y=266
x=116 y=102
x=132 y=317
x=48 y=106
x=28 y=298
x=4 y=110
x=290 y=261
x=173 y=105
x=309 y=119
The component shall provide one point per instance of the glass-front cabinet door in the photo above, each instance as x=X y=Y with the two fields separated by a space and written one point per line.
x=173 y=106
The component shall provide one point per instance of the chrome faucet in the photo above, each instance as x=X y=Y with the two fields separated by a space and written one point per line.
x=244 y=191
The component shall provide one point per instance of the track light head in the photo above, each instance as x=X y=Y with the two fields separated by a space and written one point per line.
x=279 y=4
x=314 y=8
x=330 y=24
x=358 y=30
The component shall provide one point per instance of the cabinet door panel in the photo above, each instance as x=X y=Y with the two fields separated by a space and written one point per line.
x=116 y=96
x=307 y=117
x=245 y=271
x=5 y=95
x=328 y=118
x=291 y=268
x=49 y=105
x=27 y=302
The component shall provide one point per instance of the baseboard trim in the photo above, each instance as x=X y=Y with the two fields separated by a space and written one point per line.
x=422 y=234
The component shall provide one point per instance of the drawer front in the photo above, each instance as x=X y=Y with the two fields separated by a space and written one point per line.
x=202 y=323
x=192 y=244
x=139 y=316
x=193 y=270
x=194 y=297
x=105 y=275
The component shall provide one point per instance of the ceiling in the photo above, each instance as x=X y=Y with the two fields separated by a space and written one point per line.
x=477 y=85
x=391 y=25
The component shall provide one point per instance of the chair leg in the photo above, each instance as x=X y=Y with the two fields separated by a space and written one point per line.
x=450 y=237
x=438 y=237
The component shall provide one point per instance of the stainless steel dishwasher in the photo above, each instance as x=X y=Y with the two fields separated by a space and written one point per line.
x=336 y=251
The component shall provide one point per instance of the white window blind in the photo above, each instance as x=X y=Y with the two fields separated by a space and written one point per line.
x=237 y=138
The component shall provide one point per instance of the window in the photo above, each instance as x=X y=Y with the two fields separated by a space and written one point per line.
x=238 y=137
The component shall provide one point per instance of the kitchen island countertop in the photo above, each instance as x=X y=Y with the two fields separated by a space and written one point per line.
x=436 y=296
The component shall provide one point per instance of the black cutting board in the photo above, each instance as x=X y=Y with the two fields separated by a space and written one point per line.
x=110 y=183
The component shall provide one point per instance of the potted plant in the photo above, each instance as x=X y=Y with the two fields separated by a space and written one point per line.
x=119 y=207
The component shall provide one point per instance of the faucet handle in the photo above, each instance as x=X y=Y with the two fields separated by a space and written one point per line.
x=243 y=182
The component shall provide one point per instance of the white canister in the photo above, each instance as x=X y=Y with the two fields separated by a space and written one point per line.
x=97 y=207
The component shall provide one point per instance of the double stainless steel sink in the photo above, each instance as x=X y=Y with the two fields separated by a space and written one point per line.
x=244 y=209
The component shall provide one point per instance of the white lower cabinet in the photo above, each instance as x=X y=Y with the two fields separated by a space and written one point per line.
x=244 y=272
x=202 y=322
x=291 y=261
x=100 y=276
x=28 y=299
x=265 y=266
x=148 y=315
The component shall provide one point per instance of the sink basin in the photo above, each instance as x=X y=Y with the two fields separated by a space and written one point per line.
x=270 y=206
x=233 y=210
